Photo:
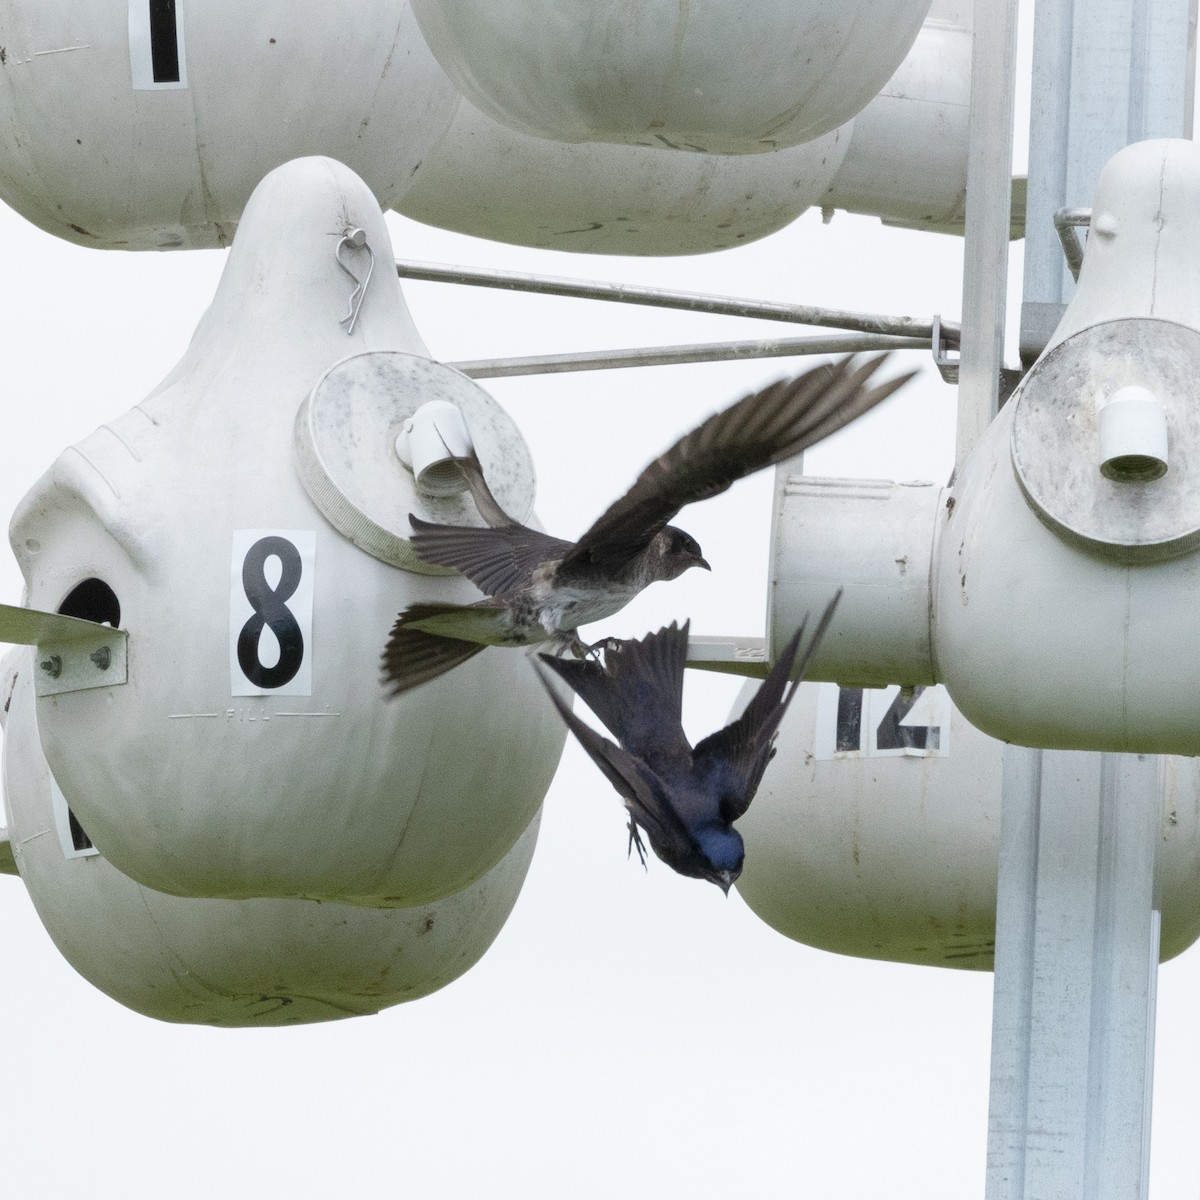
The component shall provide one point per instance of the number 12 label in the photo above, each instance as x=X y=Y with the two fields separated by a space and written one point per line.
x=882 y=722
x=270 y=612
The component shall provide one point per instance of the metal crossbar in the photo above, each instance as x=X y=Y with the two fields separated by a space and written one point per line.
x=866 y=331
x=661 y=356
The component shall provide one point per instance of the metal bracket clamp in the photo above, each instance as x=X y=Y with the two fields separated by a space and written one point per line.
x=946 y=365
x=729 y=655
x=72 y=654
x=1066 y=222
x=76 y=666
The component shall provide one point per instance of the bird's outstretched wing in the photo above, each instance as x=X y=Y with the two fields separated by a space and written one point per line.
x=412 y=656
x=758 y=431
x=646 y=804
x=498 y=561
x=737 y=755
x=486 y=504
x=638 y=693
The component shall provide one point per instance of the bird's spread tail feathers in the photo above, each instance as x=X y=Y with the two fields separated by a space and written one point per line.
x=638 y=689
x=413 y=656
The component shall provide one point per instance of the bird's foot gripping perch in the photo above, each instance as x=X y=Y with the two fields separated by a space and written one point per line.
x=605 y=645
x=569 y=642
x=635 y=841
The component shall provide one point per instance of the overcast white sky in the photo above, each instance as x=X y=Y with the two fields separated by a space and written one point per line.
x=628 y=1033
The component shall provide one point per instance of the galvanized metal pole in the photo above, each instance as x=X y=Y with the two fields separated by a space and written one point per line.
x=988 y=217
x=1106 y=73
x=1077 y=939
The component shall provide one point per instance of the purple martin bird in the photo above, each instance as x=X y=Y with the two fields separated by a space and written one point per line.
x=685 y=800
x=541 y=588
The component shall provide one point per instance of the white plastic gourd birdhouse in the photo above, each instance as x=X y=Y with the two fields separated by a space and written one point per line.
x=144 y=125
x=251 y=962
x=247 y=525
x=517 y=170
x=654 y=73
x=876 y=830
x=903 y=158
x=1046 y=597
x=898 y=151
x=1066 y=575
x=1051 y=588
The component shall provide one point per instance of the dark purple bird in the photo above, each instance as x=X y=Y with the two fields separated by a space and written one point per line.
x=685 y=800
x=541 y=588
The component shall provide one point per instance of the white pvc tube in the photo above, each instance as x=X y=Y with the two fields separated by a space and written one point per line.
x=432 y=438
x=1133 y=436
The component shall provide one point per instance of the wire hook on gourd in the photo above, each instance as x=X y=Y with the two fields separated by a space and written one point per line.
x=356 y=239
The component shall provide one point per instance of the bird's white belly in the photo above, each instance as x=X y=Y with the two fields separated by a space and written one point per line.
x=566 y=608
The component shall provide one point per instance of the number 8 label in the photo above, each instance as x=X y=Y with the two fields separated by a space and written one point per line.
x=270 y=612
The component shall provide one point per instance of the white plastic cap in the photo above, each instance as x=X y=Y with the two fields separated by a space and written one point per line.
x=431 y=439
x=1133 y=436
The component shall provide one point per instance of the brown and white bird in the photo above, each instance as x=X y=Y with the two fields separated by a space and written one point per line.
x=541 y=588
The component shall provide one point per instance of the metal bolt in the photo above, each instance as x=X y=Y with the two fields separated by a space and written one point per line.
x=52 y=666
x=102 y=658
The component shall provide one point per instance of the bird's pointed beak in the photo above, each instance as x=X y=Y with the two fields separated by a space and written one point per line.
x=724 y=881
x=703 y=562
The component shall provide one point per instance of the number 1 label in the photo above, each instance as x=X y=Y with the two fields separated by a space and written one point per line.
x=156 y=57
